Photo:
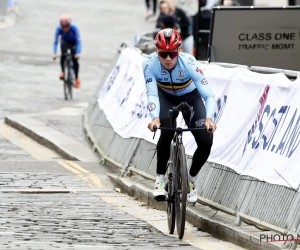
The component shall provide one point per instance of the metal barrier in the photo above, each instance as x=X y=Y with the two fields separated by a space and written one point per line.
x=252 y=201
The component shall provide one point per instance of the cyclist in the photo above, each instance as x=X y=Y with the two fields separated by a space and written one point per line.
x=173 y=77
x=69 y=38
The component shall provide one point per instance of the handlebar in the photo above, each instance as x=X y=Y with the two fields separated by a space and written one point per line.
x=155 y=128
x=181 y=129
x=186 y=110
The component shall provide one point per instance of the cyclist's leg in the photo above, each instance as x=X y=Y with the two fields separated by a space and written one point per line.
x=163 y=144
x=204 y=142
x=203 y=139
x=75 y=62
x=63 y=47
x=75 y=66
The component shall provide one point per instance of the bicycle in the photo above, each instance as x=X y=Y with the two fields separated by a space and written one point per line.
x=177 y=186
x=69 y=75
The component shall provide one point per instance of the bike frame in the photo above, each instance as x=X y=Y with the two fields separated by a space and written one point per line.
x=69 y=65
x=171 y=166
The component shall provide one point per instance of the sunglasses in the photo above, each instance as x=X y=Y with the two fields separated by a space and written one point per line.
x=164 y=55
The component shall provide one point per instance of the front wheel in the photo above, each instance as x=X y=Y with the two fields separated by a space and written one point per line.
x=68 y=82
x=170 y=205
x=181 y=194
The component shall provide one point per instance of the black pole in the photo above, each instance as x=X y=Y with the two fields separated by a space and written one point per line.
x=197 y=29
x=292 y=2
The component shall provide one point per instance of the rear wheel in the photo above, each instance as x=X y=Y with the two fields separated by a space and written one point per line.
x=181 y=194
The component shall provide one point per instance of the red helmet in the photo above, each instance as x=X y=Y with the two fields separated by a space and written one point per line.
x=168 y=39
x=65 y=20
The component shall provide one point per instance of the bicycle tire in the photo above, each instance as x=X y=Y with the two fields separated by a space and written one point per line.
x=171 y=202
x=66 y=76
x=65 y=90
x=68 y=84
x=70 y=89
x=181 y=197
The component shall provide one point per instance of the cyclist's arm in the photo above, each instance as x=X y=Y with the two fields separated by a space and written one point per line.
x=203 y=87
x=57 y=33
x=78 y=40
x=152 y=91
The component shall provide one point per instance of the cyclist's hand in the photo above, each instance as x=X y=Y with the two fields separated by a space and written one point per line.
x=77 y=56
x=156 y=122
x=210 y=124
x=54 y=56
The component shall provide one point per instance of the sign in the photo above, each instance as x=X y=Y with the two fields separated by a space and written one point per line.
x=258 y=36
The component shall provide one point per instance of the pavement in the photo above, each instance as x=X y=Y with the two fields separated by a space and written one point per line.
x=41 y=209
x=59 y=131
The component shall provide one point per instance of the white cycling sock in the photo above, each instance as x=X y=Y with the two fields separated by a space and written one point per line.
x=191 y=178
x=160 y=178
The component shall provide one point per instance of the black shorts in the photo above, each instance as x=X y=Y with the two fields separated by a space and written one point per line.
x=64 y=47
x=193 y=98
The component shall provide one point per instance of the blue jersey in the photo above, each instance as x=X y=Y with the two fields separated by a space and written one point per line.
x=183 y=79
x=72 y=37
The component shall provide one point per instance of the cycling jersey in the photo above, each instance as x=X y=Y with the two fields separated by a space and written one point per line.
x=183 y=79
x=70 y=37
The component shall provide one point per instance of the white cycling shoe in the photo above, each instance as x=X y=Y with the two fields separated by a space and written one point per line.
x=192 y=196
x=159 y=192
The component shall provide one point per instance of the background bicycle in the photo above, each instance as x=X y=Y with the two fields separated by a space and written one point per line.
x=69 y=75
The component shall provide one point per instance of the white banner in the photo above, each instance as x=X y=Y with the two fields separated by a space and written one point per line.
x=257 y=117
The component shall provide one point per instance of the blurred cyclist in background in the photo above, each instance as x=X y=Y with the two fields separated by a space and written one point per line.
x=69 y=38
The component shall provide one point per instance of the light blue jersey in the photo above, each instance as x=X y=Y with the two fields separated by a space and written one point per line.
x=183 y=79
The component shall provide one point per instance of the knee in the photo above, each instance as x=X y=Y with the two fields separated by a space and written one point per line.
x=74 y=60
x=167 y=134
x=165 y=137
x=203 y=139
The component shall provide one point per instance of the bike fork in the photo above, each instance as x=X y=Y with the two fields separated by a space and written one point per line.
x=170 y=189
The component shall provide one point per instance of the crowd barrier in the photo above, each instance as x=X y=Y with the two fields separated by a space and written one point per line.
x=268 y=197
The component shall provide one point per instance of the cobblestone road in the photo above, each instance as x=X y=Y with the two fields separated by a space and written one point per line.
x=55 y=209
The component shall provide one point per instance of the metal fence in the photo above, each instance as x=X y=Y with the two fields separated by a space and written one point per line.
x=264 y=205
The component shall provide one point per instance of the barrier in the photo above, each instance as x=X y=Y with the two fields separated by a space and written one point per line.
x=251 y=200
